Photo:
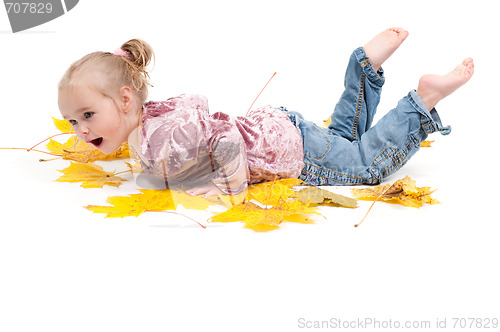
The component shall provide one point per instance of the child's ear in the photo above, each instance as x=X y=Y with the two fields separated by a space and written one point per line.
x=126 y=98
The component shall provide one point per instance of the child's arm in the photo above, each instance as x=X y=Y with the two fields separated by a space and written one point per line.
x=179 y=152
x=229 y=161
x=231 y=179
x=229 y=167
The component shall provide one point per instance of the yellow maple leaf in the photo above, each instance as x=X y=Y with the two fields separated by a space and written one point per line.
x=326 y=122
x=150 y=200
x=403 y=191
x=317 y=196
x=228 y=200
x=91 y=176
x=63 y=125
x=426 y=144
x=268 y=205
x=274 y=192
x=250 y=213
x=261 y=219
x=85 y=155
x=61 y=148
x=76 y=150
x=190 y=202
x=135 y=204
x=271 y=194
x=135 y=168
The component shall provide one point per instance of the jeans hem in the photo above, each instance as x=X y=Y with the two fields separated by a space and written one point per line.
x=376 y=77
x=431 y=122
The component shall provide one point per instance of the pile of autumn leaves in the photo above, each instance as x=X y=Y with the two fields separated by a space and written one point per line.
x=264 y=206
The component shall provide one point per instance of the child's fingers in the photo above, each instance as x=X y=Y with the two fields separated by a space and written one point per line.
x=212 y=192
x=196 y=191
x=208 y=191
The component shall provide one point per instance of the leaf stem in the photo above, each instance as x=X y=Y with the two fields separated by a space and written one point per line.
x=122 y=172
x=376 y=199
x=43 y=160
x=28 y=150
x=34 y=146
x=260 y=94
x=180 y=214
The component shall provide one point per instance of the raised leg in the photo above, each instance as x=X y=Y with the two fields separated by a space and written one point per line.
x=353 y=114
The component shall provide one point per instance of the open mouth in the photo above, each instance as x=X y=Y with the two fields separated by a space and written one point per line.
x=96 y=142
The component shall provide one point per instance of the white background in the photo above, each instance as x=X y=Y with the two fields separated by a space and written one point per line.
x=63 y=268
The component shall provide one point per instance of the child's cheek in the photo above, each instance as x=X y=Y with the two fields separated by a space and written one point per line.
x=114 y=131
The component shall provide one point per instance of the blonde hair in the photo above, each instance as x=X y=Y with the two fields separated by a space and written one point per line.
x=124 y=68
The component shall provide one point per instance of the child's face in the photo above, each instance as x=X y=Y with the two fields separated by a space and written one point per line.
x=96 y=118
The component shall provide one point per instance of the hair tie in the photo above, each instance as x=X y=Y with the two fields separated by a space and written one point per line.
x=123 y=53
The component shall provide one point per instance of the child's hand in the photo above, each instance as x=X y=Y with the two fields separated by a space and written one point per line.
x=208 y=190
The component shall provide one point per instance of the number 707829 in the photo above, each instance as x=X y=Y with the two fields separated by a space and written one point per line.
x=28 y=8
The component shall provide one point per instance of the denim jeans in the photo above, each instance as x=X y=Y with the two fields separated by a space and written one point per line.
x=350 y=151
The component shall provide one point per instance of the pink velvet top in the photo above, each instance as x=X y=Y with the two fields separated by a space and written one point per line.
x=181 y=141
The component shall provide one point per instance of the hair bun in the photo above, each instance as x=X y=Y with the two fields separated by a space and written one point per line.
x=138 y=56
x=140 y=53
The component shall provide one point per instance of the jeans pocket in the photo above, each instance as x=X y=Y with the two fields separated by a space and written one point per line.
x=316 y=143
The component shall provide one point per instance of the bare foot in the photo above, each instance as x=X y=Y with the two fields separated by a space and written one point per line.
x=381 y=47
x=433 y=88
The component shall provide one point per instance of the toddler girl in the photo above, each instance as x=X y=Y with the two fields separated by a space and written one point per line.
x=103 y=96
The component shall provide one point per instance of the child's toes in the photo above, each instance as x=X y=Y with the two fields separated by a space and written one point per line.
x=468 y=61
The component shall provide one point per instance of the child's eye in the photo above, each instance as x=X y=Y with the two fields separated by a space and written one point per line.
x=73 y=122
x=87 y=115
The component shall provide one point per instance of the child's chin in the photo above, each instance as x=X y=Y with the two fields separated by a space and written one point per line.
x=107 y=149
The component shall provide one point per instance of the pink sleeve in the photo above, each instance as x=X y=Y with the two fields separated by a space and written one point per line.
x=230 y=161
x=173 y=136
x=175 y=145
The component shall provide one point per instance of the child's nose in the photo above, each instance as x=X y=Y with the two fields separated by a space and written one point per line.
x=83 y=131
